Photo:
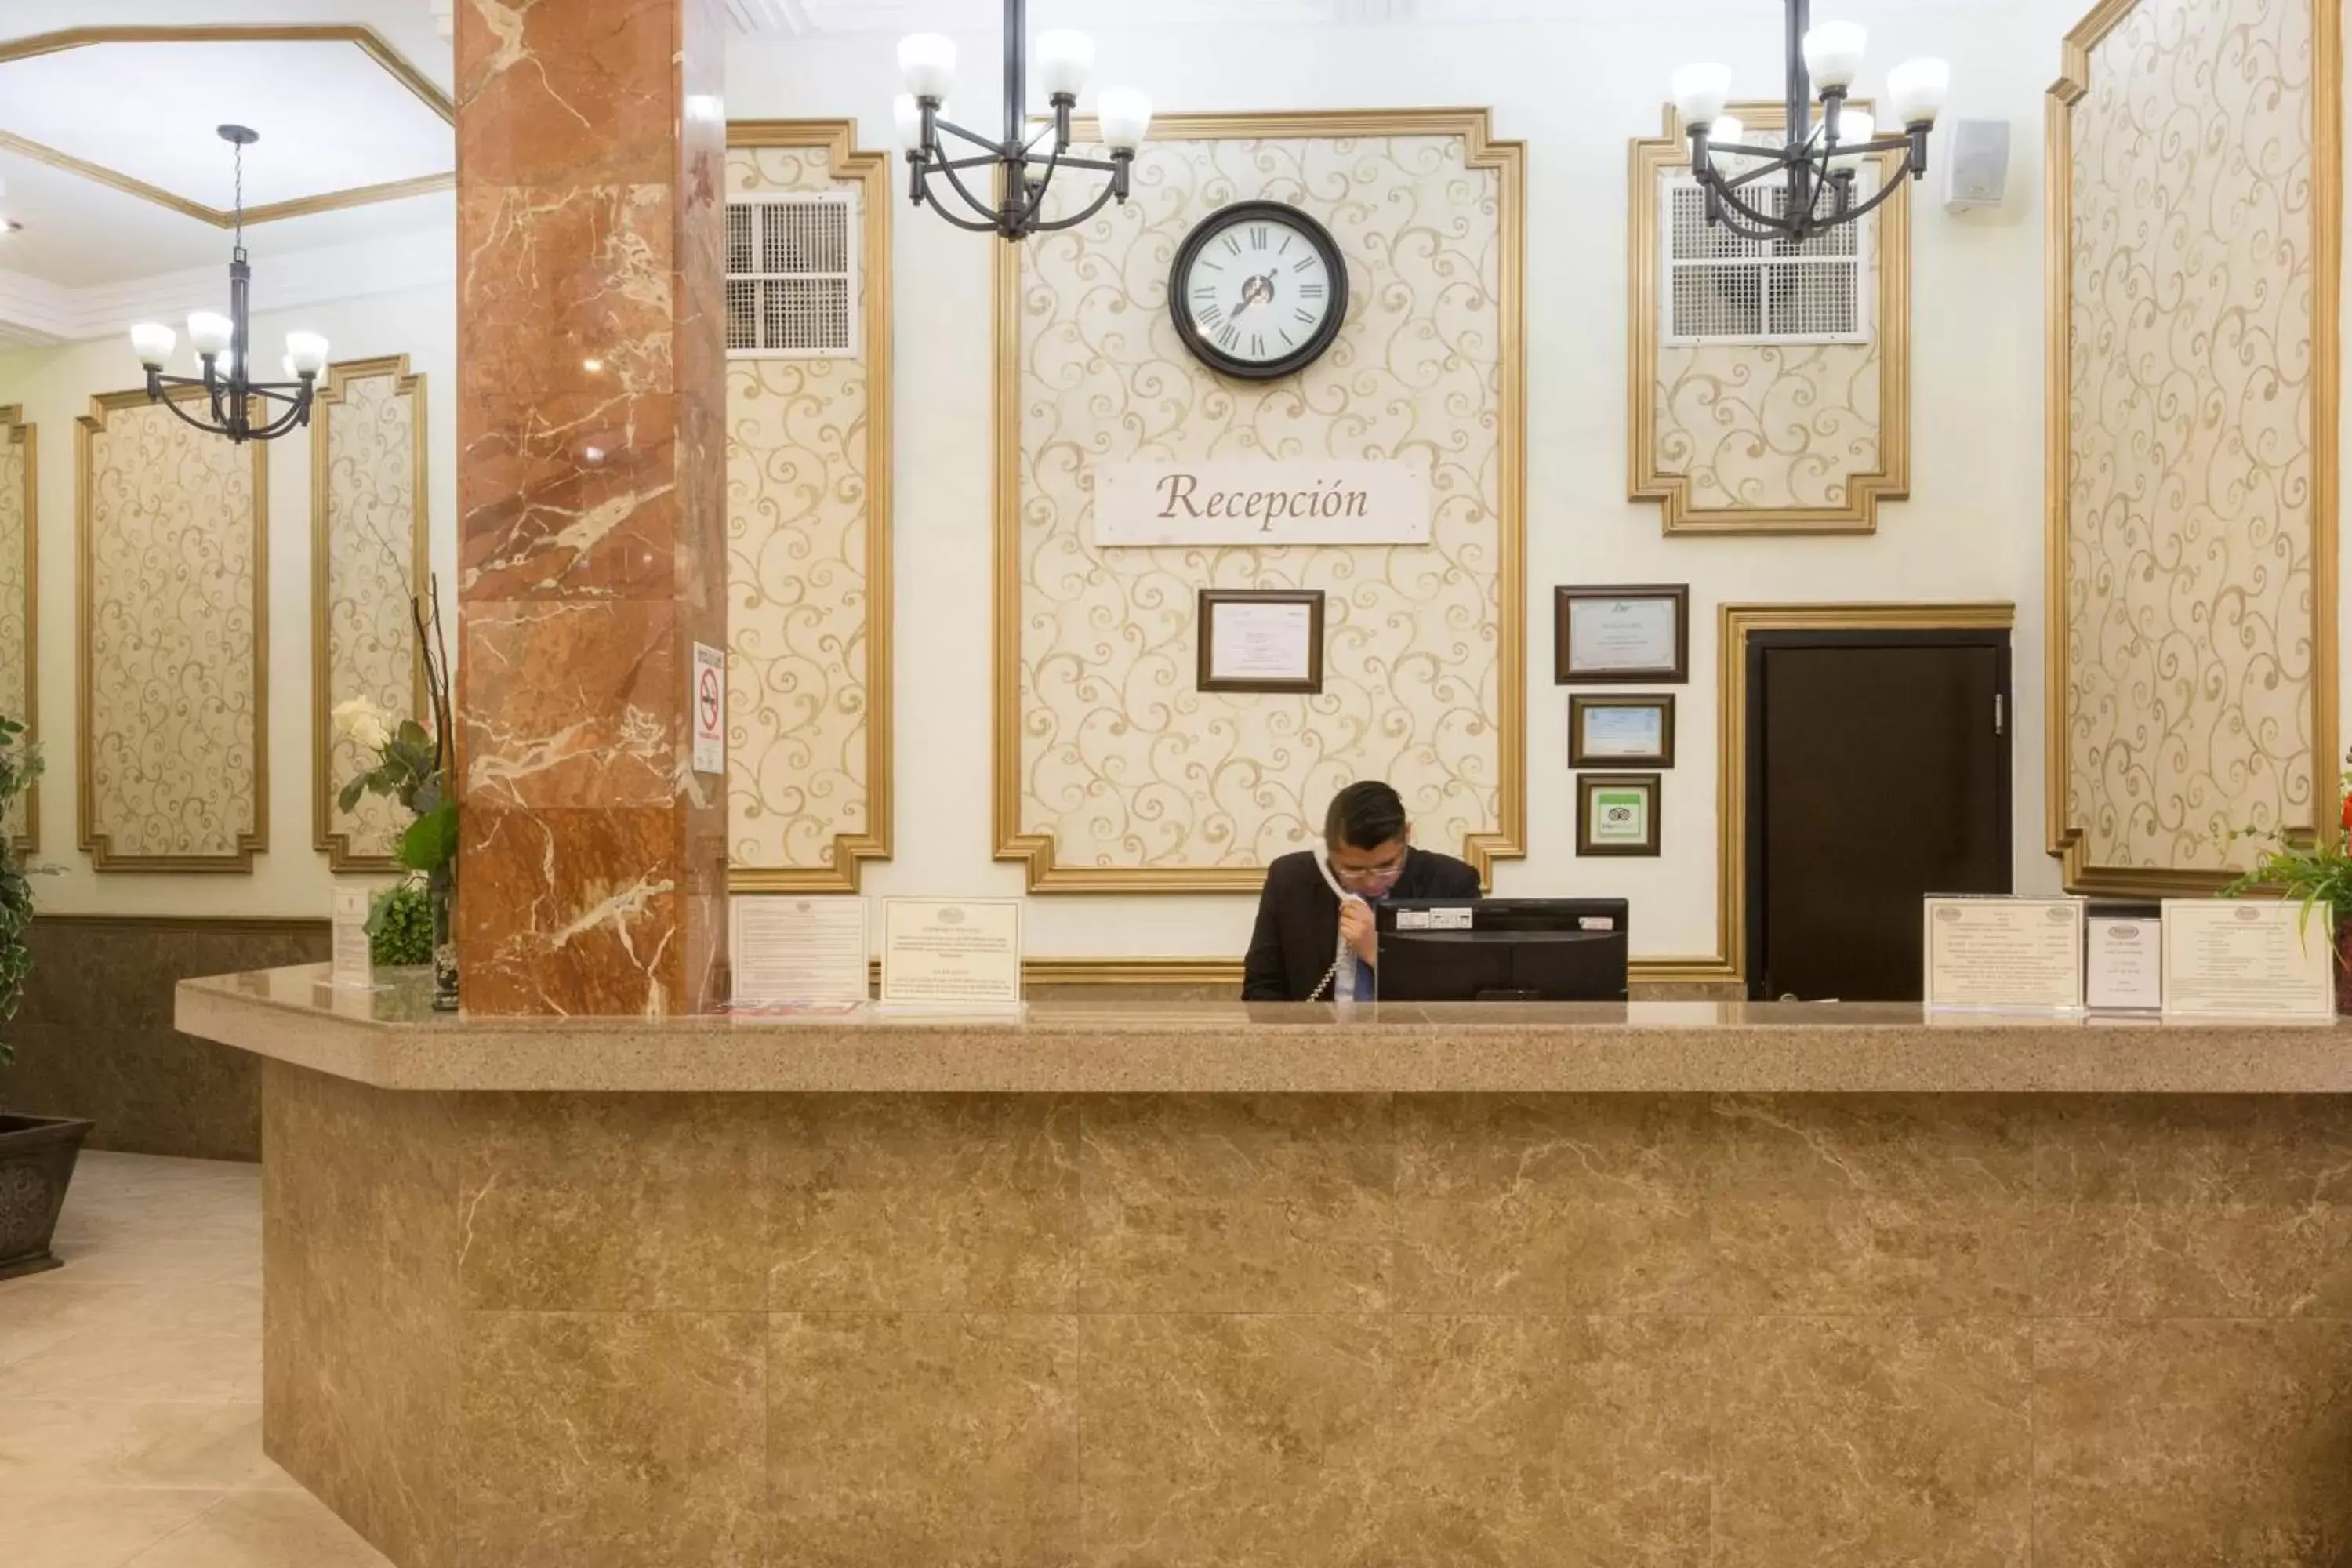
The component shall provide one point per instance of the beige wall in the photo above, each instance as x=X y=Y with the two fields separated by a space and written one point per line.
x=1118 y=760
x=803 y=508
x=1971 y=532
x=54 y=386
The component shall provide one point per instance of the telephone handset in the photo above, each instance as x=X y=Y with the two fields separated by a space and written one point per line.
x=1341 y=976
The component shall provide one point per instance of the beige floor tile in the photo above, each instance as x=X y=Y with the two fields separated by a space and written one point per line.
x=176 y=1261
x=101 y=1528
x=118 y=1363
x=263 y=1530
x=69 y=1443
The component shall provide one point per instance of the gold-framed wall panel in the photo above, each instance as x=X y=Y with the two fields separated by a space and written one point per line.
x=26 y=437
x=1482 y=150
x=327 y=835
x=367 y=40
x=871 y=171
x=94 y=839
x=2068 y=841
x=1648 y=479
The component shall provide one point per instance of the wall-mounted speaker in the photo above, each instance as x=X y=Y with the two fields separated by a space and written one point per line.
x=1976 y=162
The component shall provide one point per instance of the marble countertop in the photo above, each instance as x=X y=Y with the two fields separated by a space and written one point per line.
x=391 y=1039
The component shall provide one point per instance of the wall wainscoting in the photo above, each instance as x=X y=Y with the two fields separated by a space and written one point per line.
x=94 y=1037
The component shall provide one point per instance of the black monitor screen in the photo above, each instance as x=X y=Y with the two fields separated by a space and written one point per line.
x=1502 y=950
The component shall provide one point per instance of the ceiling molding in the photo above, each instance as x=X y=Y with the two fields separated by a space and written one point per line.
x=367 y=39
x=35 y=312
x=364 y=39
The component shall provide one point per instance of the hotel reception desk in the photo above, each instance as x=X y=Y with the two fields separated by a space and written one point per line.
x=1205 y=1284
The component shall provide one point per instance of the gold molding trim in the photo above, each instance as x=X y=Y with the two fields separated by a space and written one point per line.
x=1482 y=150
x=1228 y=971
x=18 y=433
x=2068 y=842
x=871 y=171
x=1735 y=624
x=367 y=39
x=94 y=843
x=1647 y=480
x=331 y=396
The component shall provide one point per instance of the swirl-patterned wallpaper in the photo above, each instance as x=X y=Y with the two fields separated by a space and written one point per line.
x=174 y=732
x=19 y=617
x=1768 y=427
x=2195 y=691
x=1766 y=437
x=368 y=538
x=807 y=542
x=1121 y=773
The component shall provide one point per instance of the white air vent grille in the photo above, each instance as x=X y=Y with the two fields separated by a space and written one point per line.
x=792 y=277
x=1723 y=288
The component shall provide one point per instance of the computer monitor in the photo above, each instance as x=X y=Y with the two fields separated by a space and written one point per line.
x=1502 y=950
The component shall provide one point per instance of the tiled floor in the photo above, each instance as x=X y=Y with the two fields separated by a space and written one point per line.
x=130 y=1385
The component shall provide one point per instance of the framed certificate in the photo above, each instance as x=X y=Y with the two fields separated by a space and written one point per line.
x=1617 y=813
x=2248 y=958
x=1261 y=639
x=1621 y=635
x=1604 y=731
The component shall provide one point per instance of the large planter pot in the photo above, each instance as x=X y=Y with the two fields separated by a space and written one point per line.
x=36 y=1162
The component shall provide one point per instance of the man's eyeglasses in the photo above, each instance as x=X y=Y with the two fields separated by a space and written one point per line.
x=1369 y=873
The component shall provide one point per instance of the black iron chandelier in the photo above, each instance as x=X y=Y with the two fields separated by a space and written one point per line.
x=1019 y=172
x=1814 y=169
x=241 y=407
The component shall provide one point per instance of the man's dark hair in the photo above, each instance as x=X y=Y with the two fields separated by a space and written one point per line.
x=1366 y=815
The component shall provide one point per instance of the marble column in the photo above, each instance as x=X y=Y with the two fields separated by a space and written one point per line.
x=591 y=480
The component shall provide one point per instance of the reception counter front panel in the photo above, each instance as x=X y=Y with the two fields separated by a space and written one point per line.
x=1672 y=1284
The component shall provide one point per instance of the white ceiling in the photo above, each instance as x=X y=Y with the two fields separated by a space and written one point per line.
x=331 y=117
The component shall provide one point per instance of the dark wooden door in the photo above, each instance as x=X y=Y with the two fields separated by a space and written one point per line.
x=1878 y=773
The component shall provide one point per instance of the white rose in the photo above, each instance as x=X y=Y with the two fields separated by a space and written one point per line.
x=358 y=720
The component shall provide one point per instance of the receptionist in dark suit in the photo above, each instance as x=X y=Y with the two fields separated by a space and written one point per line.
x=1367 y=854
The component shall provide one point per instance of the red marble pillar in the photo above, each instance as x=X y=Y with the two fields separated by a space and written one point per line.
x=591 y=487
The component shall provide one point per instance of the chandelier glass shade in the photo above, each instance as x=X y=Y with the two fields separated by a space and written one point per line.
x=240 y=407
x=998 y=186
x=1807 y=184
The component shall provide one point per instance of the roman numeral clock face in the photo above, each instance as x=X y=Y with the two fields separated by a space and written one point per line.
x=1258 y=290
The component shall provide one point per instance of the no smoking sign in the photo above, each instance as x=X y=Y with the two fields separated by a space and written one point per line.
x=709 y=709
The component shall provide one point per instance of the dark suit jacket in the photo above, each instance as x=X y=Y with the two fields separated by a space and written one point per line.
x=1299 y=919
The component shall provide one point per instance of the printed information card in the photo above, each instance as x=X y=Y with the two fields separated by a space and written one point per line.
x=2124 y=964
x=2024 y=955
x=2243 y=957
x=352 y=964
x=961 y=953
x=789 y=950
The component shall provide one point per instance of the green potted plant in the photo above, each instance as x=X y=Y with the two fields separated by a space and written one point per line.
x=2318 y=874
x=36 y=1152
x=412 y=766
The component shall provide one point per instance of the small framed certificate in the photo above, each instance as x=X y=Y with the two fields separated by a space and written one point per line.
x=2248 y=958
x=1603 y=635
x=1261 y=639
x=1604 y=731
x=1617 y=813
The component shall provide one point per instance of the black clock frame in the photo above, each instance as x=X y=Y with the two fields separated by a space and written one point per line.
x=1202 y=347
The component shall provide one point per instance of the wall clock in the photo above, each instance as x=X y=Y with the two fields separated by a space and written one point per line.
x=1258 y=290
